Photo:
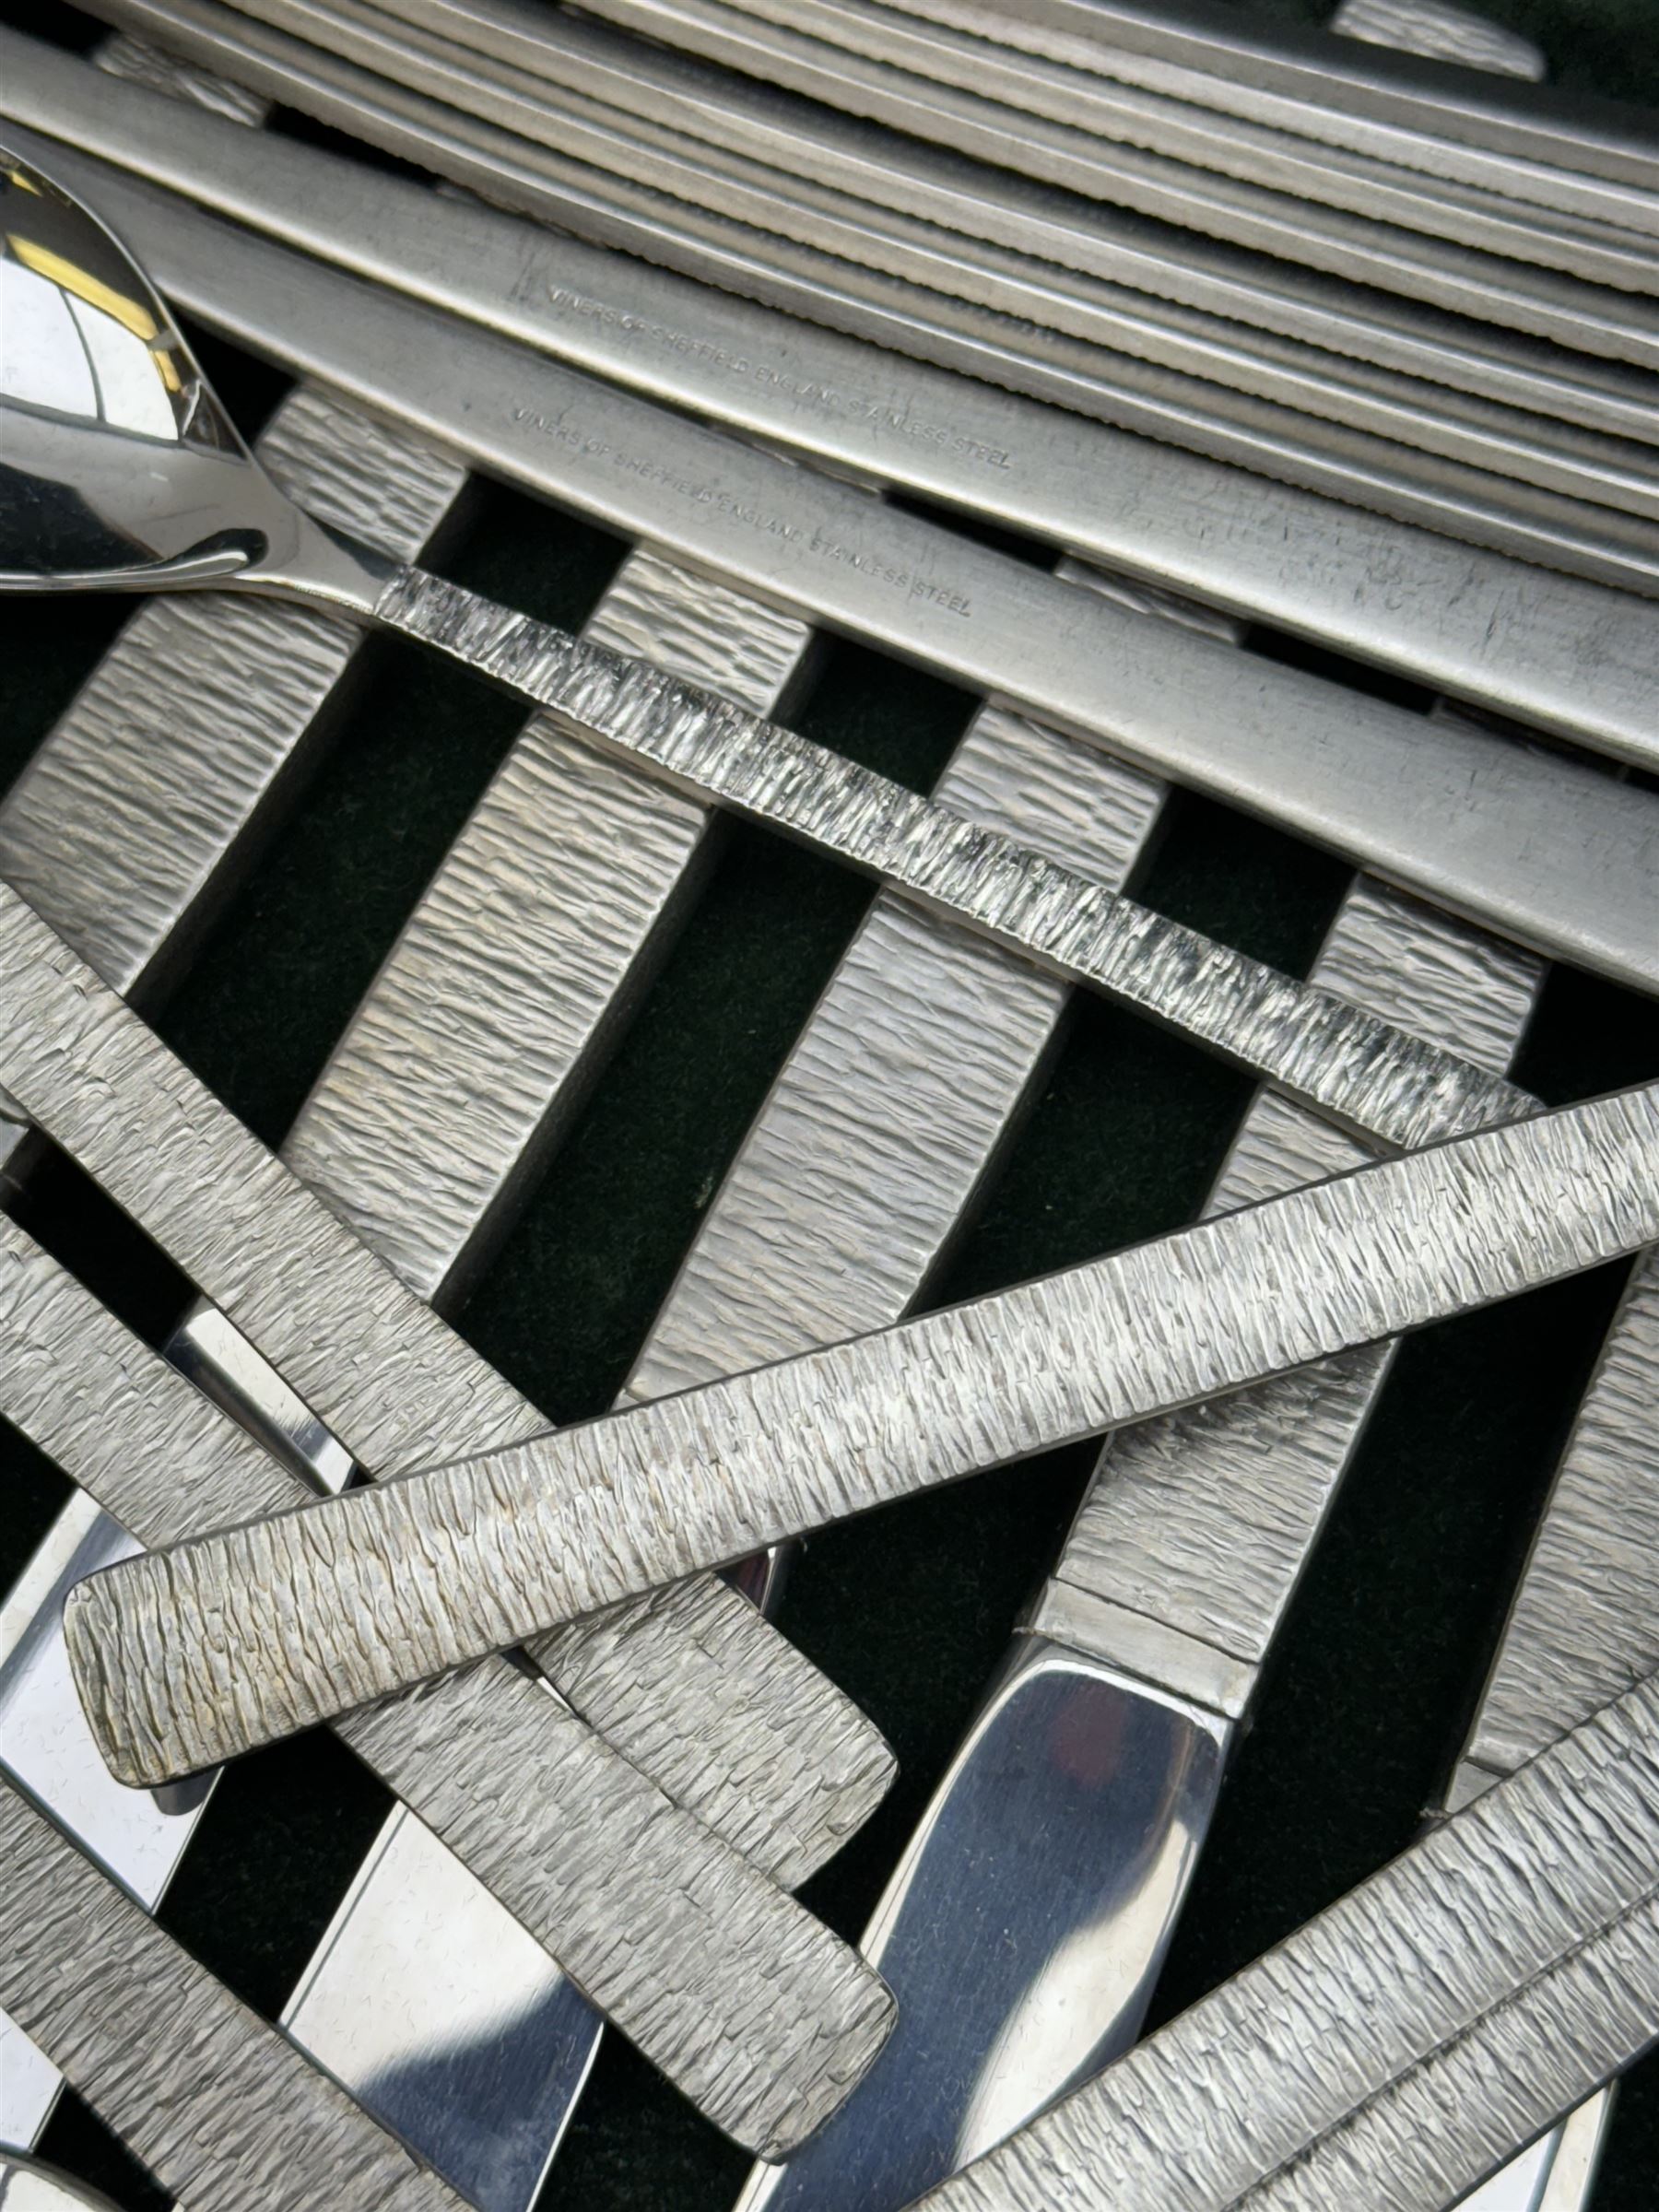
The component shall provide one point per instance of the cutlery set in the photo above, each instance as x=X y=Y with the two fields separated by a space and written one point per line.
x=1389 y=330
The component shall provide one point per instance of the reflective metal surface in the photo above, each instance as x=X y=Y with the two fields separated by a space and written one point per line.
x=1335 y=457
x=220 y=2107
x=1334 y=2070
x=1023 y=1928
x=1239 y=181
x=680 y=1938
x=731 y=147
x=120 y=469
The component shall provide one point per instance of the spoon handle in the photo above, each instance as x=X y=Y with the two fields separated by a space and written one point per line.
x=1320 y=1049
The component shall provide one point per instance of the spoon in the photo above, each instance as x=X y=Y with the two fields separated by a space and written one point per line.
x=119 y=470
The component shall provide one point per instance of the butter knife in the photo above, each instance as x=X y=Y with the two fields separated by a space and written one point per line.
x=724 y=1982
x=220 y=2108
x=1393 y=2050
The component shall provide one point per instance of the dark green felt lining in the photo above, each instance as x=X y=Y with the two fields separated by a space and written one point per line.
x=910 y=1609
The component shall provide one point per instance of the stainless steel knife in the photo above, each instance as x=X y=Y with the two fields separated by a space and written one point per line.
x=723 y=1980
x=1393 y=2050
x=1068 y=1824
x=194 y=719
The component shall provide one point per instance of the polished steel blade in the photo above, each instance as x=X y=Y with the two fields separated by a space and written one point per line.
x=220 y=2107
x=1395 y=2048
x=727 y=1984
x=1070 y=1822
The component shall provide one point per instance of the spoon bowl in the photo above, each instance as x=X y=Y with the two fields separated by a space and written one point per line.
x=118 y=468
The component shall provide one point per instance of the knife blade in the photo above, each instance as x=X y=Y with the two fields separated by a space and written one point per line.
x=1467 y=623
x=729 y=1985
x=220 y=2107
x=1394 y=2048
x=1159 y=157
x=179 y=1654
x=1068 y=1824
x=225 y=711
x=709 y=138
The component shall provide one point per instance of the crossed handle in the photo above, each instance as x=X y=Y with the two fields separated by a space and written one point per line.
x=186 y=1656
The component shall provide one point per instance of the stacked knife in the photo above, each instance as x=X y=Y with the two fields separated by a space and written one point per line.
x=1456 y=332
x=683 y=1723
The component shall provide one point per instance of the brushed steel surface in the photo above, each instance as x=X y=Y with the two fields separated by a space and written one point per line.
x=581 y=88
x=258 y=1631
x=1561 y=653
x=1495 y=1971
x=1308 y=1043
x=721 y=1979
x=1585 y=1614
x=452 y=1081
x=1158 y=157
x=1389 y=103
x=449 y=1085
x=894 y=1102
x=158 y=520
x=124 y=823
x=221 y=2110
x=1473 y=504
x=1424 y=805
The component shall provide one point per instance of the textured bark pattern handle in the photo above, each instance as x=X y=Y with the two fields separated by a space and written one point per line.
x=727 y=1984
x=1202 y=1523
x=221 y=2109
x=1308 y=1043
x=262 y=1630
x=1473 y=1990
x=761 y=2017
x=455 y=1077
